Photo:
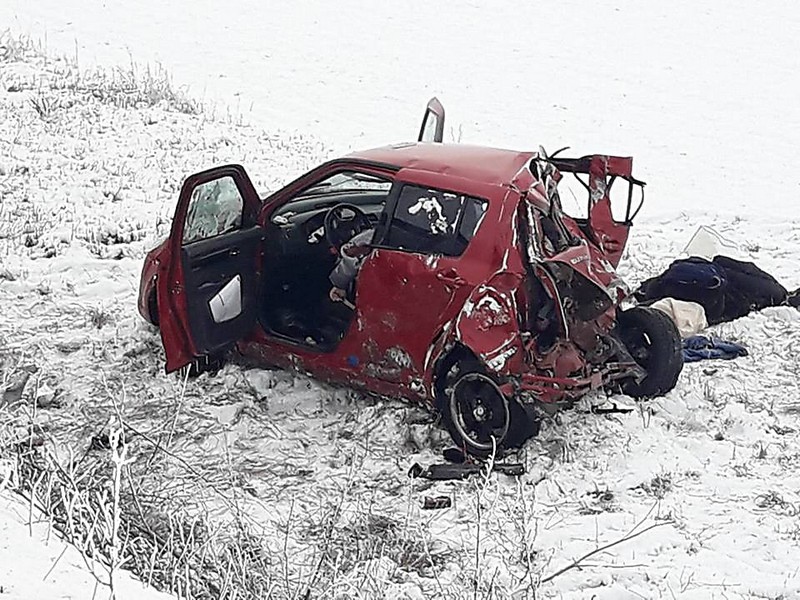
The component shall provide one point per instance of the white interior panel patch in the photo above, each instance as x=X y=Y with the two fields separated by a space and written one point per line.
x=227 y=303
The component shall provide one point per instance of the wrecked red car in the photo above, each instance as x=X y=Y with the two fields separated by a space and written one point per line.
x=475 y=291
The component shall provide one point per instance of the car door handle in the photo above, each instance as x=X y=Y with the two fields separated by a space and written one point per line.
x=234 y=252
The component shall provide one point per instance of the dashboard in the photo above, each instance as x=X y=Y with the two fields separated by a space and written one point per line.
x=298 y=227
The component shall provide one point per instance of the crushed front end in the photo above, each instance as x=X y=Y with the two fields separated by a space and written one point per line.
x=573 y=290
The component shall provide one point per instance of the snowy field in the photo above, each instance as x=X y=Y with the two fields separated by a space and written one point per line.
x=283 y=485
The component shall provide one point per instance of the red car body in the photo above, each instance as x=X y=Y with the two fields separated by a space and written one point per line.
x=412 y=310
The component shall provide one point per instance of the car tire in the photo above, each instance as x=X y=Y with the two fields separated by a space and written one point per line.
x=653 y=340
x=461 y=371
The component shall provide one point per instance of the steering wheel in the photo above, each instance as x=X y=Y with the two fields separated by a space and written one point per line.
x=344 y=221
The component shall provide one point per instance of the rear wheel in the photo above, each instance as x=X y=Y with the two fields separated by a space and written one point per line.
x=475 y=412
x=479 y=415
x=653 y=340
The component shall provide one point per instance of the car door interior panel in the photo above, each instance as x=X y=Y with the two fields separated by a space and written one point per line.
x=219 y=270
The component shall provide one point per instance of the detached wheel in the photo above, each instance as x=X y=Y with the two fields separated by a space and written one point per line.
x=653 y=340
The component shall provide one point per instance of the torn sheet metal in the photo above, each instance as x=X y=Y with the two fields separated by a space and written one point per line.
x=489 y=326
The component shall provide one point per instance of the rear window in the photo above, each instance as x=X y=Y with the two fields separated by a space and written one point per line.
x=431 y=221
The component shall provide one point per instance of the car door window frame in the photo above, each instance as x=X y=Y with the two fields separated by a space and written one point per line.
x=393 y=202
x=238 y=224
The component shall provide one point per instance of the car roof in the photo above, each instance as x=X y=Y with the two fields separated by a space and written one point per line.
x=477 y=163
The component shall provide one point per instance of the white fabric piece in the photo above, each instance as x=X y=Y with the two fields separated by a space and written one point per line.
x=227 y=303
x=689 y=317
x=708 y=243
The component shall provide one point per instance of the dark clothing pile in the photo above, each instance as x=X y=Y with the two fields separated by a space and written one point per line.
x=725 y=287
x=700 y=347
x=794 y=298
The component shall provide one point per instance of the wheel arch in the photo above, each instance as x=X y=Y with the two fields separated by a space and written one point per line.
x=522 y=420
x=152 y=306
x=447 y=359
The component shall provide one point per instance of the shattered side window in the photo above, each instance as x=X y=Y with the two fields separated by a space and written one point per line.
x=433 y=221
x=215 y=208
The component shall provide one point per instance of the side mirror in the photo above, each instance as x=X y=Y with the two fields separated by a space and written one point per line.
x=432 y=129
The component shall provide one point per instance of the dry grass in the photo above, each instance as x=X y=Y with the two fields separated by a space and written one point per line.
x=112 y=501
x=133 y=87
x=118 y=519
x=18 y=48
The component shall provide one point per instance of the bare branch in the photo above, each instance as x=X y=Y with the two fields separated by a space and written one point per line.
x=626 y=538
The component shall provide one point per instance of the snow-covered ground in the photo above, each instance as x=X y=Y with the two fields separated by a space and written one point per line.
x=702 y=96
x=35 y=563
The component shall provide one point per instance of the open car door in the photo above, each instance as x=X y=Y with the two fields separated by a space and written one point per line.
x=207 y=291
x=605 y=178
x=432 y=129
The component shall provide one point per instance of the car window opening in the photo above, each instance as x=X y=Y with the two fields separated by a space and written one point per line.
x=215 y=208
x=296 y=281
x=431 y=221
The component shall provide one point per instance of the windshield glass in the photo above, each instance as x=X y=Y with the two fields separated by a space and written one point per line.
x=347 y=181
